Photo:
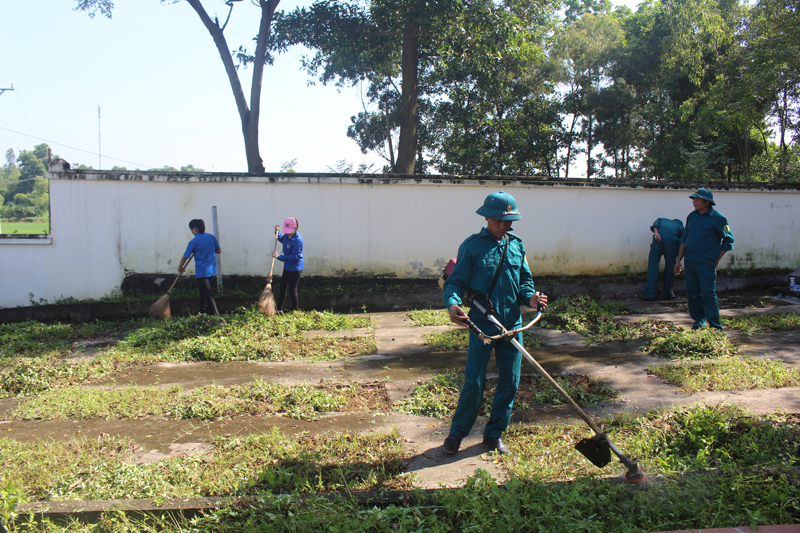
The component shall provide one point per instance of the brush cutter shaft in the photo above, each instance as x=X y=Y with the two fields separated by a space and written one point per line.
x=556 y=386
x=633 y=467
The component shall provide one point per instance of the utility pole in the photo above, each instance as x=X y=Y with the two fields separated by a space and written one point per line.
x=10 y=89
x=99 y=151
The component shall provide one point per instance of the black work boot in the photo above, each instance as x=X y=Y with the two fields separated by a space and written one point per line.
x=451 y=444
x=495 y=443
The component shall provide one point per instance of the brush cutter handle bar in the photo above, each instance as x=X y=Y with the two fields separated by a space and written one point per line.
x=504 y=333
x=179 y=274
x=477 y=331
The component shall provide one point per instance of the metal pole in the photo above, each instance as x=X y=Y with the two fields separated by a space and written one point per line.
x=99 y=151
x=219 y=259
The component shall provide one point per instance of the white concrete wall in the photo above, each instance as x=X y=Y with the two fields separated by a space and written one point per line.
x=105 y=225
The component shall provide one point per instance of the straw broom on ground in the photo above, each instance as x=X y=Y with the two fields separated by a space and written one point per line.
x=160 y=308
x=266 y=302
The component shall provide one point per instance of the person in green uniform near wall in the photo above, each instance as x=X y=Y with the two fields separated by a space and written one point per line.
x=706 y=238
x=666 y=241
x=476 y=265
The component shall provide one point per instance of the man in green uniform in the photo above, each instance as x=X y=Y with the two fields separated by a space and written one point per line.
x=705 y=240
x=492 y=263
x=666 y=240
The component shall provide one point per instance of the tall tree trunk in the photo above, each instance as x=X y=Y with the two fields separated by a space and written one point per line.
x=248 y=116
x=409 y=114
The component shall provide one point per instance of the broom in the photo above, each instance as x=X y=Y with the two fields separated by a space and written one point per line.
x=160 y=308
x=266 y=302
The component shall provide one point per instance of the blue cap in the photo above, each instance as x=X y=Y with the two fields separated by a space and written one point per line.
x=499 y=206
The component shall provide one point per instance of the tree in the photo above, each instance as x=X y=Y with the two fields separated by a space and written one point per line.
x=586 y=49
x=393 y=45
x=249 y=115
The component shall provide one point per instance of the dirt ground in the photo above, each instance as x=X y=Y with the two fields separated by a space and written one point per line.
x=403 y=361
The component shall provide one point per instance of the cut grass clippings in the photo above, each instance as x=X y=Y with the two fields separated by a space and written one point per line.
x=106 y=468
x=438 y=397
x=702 y=343
x=243 y=336
x=715 y=467
x=757 y=324
x=728 y=374
x=303 y=402
x=595 y=322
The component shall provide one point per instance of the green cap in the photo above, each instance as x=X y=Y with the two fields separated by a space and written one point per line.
x=499 y=206
x=703 y=194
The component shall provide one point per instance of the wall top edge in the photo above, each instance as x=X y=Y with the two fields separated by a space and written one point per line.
x=399 y=179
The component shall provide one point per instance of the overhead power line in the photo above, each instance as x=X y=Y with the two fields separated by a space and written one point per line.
x=73 y=148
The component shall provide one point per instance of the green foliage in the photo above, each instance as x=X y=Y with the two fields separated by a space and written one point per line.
x=596 y=321
x=24 y=188
x=692 y=344
x=757 y=324
x=29 y=351
x=735 y=467
x=105 y=467
x=302 y=402
x=437 y=397
x=728 y=374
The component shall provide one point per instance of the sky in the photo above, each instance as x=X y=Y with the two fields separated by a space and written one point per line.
x=146 y=89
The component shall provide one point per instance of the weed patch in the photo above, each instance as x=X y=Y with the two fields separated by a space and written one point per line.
x=438 y=397
x=691 y=344
x=737 y=471
x=595 y=322
x=432 y=317
x=762 y=323
x=303 y=402
x=105 y=468
x=728 y=374
x=31 y=363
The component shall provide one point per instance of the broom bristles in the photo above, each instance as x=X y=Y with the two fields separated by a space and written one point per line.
x=266 y=302
x=160 y=308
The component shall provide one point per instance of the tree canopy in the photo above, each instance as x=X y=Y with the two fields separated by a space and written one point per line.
x=679 y=89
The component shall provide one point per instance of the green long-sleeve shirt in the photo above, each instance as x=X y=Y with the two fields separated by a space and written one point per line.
x=478 y=257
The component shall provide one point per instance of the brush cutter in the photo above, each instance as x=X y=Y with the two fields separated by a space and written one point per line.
x=598 y=448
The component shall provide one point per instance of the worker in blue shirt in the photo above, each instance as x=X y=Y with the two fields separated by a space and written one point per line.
x=292 y=258
x=492 y=263
x=706 y=239
x=666 y=241
x=204 y=246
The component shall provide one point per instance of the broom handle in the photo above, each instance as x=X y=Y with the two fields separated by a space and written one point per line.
x=179 y=274
x=269 y=278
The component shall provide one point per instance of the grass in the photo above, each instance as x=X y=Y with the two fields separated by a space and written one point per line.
x=303 y=402
x=758 y=324
x=106 y=467
x=728 y=374
x=596 y=323
x=703 y=343
x=715 y=467
x=24 y=228
x=432 y=317
x=32 y=359
x=438 y=397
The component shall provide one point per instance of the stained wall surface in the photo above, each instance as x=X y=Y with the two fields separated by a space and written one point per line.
x=107 y=224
